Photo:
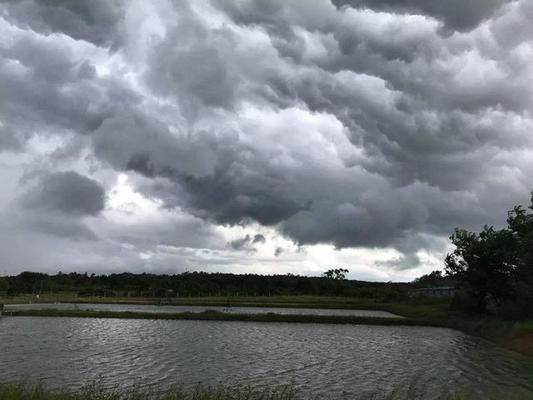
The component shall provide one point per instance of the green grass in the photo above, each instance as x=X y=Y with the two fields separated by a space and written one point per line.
x=93 y=392
x=526 y=326
x=240 y=301
x=211 y=315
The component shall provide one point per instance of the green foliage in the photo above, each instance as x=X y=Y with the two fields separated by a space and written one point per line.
x=3 y=286
x=338 y=274
x=409 y=391
x=195 y=284
x=94 y=392
x=434 y=278
x=494 y=268
x=211 y=315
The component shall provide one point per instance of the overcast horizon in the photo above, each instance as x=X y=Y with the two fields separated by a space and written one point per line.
x=267 y=136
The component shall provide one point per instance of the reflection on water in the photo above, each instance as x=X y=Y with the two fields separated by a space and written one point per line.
x=331 y=361
x=178 y=309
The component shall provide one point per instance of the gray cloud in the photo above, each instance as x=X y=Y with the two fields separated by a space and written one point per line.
x=241 y=243
x=247 y=242
x=97 y=21
x=67 y=228
x=456 y=14
x=258 y=238
x=66 y=192
x=10 y=140
x=419 y=126
x=354 y=123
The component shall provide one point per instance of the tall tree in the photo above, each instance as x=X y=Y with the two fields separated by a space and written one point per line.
x=495 y=267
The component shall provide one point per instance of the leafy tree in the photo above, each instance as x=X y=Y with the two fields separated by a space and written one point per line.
x=3 y=285
x=494 y=268
x=201 y=284
x=338 y=274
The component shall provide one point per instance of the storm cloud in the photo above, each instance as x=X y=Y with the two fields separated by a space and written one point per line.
x=97 y=21
x=357 y=124
x=456 y=14
x=66 y=192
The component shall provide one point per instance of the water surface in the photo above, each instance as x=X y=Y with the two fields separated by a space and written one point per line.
x=329 y=361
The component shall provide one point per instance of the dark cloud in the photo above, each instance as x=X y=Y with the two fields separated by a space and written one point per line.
x=97 y=21
x=247 y=242
x=10 y=140
x=354 y=123
x=242 y=243
x=49 y=85
x=66 y=228
x=416 y=125
x=169 y=230
x=66 y=192
x=456 y=14
x=258 y=238
x=197 y=73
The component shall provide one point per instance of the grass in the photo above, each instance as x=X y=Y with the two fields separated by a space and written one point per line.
x=514 y=335
x=240 y=301
x=94 y=392
x=211 y=315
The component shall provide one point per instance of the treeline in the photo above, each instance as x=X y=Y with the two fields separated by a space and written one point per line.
x=196 y=284
x=494 y=268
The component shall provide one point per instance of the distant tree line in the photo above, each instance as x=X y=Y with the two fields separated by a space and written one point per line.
x=198 y=284
x=434 y=279
x=494 y=268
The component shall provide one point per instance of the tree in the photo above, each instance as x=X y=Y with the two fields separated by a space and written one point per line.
x=434 y=278
x=338 y=274
x=3 y=286
x=495 y=267
x=481 y=264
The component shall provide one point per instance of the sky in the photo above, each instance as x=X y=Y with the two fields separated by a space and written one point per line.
x=259 y=136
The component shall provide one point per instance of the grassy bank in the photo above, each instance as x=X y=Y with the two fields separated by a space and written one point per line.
x=337 y=302
x=211 y=315
x=517 y=336
x=93 y=392
x=20 y=392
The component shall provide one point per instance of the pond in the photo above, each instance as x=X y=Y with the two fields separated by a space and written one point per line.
x=328 y=361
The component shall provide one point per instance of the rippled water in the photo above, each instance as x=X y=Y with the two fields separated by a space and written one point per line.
x=178 y=309
x=329 y=361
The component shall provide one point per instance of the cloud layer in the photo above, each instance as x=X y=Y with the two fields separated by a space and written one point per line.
x=355 y=124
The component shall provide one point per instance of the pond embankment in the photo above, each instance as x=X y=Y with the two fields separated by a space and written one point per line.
x=211 y=315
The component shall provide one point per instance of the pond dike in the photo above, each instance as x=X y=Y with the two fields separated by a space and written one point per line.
x=212 y=315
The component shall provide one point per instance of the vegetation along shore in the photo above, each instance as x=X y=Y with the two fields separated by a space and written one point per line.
x=95 y=392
